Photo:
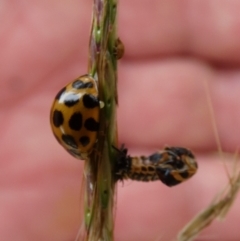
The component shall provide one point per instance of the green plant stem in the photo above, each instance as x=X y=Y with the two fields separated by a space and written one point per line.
x=100 y=183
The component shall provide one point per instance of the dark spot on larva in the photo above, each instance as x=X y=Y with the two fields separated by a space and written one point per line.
x=71 y=100
x=184 y=175
x=57 y=118
x=179 y=164
x=151 y=169
x=190 y=154
x=90 y=101
x=136 y=169
x=143 y=158
x=91 y=125
x=79 y=84
x=60 y=93
x=75 y=122
x=179 y=151
x=69 y=140
x=155 y=157
x=166 y=177
x=163 y=172
x=171 y=181
x=84 y=140
x=175 y=163
x=144 y=169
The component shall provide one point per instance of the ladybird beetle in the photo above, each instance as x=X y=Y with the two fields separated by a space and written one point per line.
x=119 y=49
x=74 y=116
x=172 y=166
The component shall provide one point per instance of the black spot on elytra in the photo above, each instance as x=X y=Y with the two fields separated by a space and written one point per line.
x=74 y=152
x=84 y=140
x=60 y=93
x=57 y=118
x=69 y=140
x=75 y=122
x=91 y=125
x=71 y=100
x=90 y=101
x=79 y=84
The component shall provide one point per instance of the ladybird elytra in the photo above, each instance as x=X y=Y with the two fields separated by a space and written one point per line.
x=74 y=116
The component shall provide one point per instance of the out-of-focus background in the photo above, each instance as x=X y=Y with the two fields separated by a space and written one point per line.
x=172 y=50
